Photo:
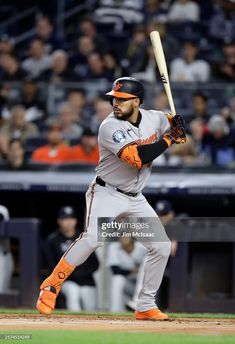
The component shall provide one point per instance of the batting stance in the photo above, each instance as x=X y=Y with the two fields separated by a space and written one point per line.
x=129 y=139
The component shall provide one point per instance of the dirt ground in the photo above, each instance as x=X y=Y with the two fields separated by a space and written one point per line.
x=118 y=323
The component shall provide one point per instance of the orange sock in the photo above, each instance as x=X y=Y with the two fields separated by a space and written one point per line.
x=62 y=270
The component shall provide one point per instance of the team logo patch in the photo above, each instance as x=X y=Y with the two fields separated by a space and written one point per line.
x=119 y=136
x=118 y=86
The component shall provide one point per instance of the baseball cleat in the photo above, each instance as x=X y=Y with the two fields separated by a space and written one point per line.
x=153 y=314
x=50 y=288
x=47 y=300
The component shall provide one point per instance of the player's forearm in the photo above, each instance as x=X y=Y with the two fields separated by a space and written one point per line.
x=149 y=152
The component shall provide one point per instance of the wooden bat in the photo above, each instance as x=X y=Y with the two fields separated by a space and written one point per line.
x=161 y=63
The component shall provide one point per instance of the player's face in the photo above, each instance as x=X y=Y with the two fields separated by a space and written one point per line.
x=123 y=108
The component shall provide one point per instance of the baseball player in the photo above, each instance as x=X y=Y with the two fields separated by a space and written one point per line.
x=130 y=138
x=124 y=258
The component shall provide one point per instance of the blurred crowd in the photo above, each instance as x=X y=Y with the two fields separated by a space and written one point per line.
x=44 y=122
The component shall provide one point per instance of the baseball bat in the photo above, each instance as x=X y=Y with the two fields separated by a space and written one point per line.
x=161 y=63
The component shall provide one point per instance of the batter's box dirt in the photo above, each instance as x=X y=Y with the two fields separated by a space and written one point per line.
x=116 y=323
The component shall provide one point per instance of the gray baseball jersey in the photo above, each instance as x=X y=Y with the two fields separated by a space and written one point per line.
x=114 y=135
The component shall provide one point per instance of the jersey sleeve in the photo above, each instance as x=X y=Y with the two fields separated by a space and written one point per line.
x=114 y=139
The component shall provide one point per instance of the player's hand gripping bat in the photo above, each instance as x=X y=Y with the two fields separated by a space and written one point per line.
x=175 y=120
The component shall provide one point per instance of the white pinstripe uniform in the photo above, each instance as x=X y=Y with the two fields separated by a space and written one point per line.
x=106 y=201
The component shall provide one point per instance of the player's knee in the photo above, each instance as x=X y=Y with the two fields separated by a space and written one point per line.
x=165 y=249
x=162 y=249
x=93 y=242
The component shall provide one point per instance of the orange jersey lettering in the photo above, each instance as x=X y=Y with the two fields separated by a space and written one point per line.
x=149 y=140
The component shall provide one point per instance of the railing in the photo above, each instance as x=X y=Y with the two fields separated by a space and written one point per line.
x=218 y=94
x=18 y=17
x=12 y=22
x=61 y=16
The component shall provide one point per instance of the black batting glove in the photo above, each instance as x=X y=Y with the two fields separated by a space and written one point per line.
x=178 y=121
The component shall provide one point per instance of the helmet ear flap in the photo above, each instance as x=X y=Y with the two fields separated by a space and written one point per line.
x=111 y=100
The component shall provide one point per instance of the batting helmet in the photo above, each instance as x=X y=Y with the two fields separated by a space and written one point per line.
x=127 y=87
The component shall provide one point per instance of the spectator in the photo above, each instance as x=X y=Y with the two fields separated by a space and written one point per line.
x=86 y=46
x=17 y=128
x=184 y=10
x=169 y=43
x=60 y=70
x=119 y=13
x=146 y=62
x=188 y=68
x=4 y=103
x=55 y=152
x=137 y=51
x=88 y=28
x=46 y=32
x=68 y=117
x=197 y=130
x=184 y=155
x=79 y=289
x=225 y=70
x=228 y=112
x=154 y=10
x=222 y=22
x=124 y=258
x=149 y=72
x=78 y=100
x=38 y=61
x=6 y=44
x=111 y=65
x=11 y=70
x=160 y=101
x=87 y=151
x=6 y=258
x=102 y=110
x=32 y=101
x=96 y=68
x=200 y=107
x=218 y=145
x=15 y=157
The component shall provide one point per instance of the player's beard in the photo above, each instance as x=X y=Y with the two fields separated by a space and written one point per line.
x=124 y=115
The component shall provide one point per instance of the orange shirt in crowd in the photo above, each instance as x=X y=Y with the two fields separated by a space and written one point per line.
x=50 y=155
x=78 y=154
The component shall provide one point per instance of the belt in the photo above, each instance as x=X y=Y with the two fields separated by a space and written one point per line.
x=101 y=182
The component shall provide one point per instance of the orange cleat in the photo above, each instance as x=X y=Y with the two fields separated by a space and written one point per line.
x=153 y=314
x=47 y=299
x=50 y=288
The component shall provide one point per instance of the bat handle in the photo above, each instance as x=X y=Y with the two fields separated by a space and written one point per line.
x=171 y=103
